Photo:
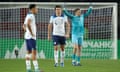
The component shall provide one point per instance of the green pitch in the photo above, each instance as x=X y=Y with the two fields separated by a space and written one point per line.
x=47 y=66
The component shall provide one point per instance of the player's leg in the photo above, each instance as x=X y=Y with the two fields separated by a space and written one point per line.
x=55 y=42
x=80 y=41
x=78 y=55
x=62 y=53
x=74 y=41
x=28 y=55
x=56 y=55
x=74 y=54
x=34 y=58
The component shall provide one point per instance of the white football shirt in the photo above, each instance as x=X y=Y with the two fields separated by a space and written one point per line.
x=58 y=24
x=33 y=26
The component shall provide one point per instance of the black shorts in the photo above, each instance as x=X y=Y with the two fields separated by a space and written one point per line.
x=58 y=40
x=31 y=44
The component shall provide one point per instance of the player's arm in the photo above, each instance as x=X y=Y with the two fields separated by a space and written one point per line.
x=24 y=27
x=88 y=11
x=50 y=28
x=29 y=26
x=67 y=28
x=49 y=31
x=67 y=13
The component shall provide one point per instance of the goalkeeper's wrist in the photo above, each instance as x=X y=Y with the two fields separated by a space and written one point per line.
x=63 y=8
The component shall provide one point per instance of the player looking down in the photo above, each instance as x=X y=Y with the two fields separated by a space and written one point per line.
x=59 y=34
x=30 y=37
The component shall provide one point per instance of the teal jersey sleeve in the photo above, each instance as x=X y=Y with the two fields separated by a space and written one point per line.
x=67 y=13
x=88 y=12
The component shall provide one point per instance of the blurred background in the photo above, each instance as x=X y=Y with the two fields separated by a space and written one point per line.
x=99 y=51
x=100 y=41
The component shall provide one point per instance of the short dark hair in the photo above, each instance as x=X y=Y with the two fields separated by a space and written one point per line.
x=76 y=9
x=57 y=6
x=32 y=6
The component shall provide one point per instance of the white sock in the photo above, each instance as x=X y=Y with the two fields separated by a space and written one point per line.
x=56 y=56
x=78 y=62
x=35 y=63
x=62 y=54
x=28 y=64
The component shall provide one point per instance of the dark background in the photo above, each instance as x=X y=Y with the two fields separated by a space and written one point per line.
x=58 y=0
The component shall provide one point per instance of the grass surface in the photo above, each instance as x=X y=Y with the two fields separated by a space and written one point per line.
x=48 y=66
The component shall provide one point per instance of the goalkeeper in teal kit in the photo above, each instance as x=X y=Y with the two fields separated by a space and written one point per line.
x=77 y=32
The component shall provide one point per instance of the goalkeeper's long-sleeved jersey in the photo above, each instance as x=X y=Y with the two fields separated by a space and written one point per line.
x=78 y=22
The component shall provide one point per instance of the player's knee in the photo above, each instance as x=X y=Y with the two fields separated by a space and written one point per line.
x=75 y=50
x=62 y=46
x=28 y=56
x=55 y=48
x=62 y=49
x=79 y=46
x=75 y=46
x=34 y=57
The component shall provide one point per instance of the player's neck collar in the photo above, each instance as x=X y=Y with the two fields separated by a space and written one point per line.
x=62 y=15
x=30 y=12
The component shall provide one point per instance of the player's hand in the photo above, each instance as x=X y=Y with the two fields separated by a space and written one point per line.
x=91 y=5
x=63 y=6
x=32 y=35
x=67 y=35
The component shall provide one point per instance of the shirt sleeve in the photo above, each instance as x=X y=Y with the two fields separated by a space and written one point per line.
x=27 y=18
x=51 y=20
x=88 y=11
x=67 y=13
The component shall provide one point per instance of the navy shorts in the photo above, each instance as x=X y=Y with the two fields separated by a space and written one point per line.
x=31 y=44
x=58 y=40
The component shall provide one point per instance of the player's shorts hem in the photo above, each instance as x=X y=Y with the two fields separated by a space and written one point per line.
x=77 y=40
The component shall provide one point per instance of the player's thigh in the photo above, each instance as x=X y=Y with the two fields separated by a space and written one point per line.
x=80 y=41
x=62 y=40
x=33 y=43
x=29 y=45
x=74 y=40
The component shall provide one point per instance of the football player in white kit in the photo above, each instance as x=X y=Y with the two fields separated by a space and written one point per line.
x=30 y=37
x=59 y=34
